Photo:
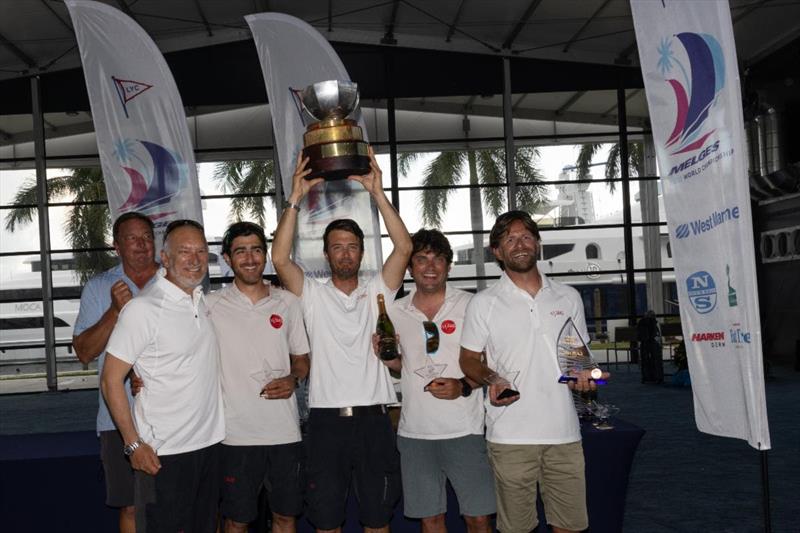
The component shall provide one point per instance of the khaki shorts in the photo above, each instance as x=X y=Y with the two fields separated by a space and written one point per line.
x=559 y=471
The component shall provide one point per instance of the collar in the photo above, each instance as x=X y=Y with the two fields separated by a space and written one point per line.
x=407 y=303
x=508 y=285
x=235 y=292
x=174 y=292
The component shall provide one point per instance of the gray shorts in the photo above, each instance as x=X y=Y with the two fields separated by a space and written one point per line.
x=117 y=469
x=427 y=464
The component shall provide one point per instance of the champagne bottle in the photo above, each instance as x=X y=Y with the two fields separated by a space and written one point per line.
x=387 y=343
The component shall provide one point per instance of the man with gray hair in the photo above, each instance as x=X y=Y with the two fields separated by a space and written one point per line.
x=102 y=299
x=167 y=336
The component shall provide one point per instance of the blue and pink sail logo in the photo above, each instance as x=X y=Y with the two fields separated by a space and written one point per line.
x=156 y=174
x=695 y=86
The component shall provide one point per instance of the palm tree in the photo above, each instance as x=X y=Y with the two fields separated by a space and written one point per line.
x=482 y=167
x=613 y=162
x=249 y=180
x=87 y=224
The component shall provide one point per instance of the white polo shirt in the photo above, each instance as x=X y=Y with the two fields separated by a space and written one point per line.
x=519 y=333
x=424 y=416
x=250 y=334
x=168 y=337
x=344 y=370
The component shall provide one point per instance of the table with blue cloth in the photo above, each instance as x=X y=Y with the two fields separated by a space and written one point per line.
x=54 y=482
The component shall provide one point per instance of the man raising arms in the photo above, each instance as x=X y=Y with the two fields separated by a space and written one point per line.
x=533 y=437
x=102 y=300
x=263 y=355
x=349 y=431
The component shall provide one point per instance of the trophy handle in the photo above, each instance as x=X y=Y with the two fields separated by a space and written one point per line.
x=302 y=111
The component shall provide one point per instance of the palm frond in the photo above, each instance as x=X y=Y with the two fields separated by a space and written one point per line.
x=404 y=161
x=585 y=155
x=492 y=171
x=445 y=170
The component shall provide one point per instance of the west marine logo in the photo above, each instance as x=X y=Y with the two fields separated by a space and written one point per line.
x=157 y=174
x=695 y=87
x=702 y=225
x=127 y=90
x=702 y=292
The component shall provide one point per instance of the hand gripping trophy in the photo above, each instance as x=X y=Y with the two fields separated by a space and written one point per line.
x=333 y=143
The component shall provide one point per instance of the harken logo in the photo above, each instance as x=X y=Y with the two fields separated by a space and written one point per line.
x=157 y=174
x=702 y=292
x=696 y=78
x=127 y=90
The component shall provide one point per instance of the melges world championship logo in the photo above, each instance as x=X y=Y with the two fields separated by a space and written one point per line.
x=156 y=174
x=693 y=65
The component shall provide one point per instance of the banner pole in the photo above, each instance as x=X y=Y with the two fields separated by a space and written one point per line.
x=765 y=491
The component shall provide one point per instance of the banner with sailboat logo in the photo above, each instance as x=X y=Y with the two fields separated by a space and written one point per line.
x=688 y=60
x=293 y=56
x=142 y=136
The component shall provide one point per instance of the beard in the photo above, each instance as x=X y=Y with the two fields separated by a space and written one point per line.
x=521 y=265
x=345 y=270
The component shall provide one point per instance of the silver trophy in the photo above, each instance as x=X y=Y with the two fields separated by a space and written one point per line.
x=333 y=143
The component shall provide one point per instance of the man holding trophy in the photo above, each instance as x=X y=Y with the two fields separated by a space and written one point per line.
x=440 y=435
x=349 y=431
x=533 y=431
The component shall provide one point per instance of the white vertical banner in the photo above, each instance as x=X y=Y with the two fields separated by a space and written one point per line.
x=142 y=135
x=294 y=55
x=688 y=60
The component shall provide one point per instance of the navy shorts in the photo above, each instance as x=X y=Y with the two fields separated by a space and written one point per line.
x=117 y=469
x=245 y=469
x=342 y=449
x=183 y=496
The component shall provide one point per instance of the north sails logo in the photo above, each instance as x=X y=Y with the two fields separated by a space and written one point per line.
x=702 y=225
x=127 y=90
x=695 y=87
x=702 y=292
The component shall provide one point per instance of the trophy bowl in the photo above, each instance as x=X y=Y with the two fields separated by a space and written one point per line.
x=334 y=143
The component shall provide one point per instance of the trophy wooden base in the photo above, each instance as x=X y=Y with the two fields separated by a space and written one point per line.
x=335 y=167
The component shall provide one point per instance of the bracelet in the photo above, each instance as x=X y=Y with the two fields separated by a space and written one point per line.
x=290 y=205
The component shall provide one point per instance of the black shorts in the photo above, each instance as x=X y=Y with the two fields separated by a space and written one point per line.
x=117 y=469
x=183 y=496
x=245 y=469
x=359 y=448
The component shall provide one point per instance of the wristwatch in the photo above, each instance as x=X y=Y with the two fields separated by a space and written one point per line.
x=466 y=388
x=130 y=448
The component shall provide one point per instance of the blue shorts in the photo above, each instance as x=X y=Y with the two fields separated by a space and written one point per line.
x=428 y=464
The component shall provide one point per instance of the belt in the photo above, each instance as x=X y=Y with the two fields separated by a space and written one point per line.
x=357 y=410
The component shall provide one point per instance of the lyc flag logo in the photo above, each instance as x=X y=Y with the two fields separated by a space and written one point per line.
x=276 y=321
x=156 y=174
x=127 y=90
x=696 y=78
x=448 y=326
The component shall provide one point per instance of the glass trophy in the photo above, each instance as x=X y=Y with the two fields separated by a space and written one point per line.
x=265 y=376
x=574 y=356
x=602 y=413
x=431 y=370
x=507 y=379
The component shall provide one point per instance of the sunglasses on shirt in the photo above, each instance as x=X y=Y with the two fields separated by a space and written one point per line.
x=431 y=337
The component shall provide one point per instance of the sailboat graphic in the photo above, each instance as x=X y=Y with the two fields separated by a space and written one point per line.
x=697 y=92
x=155 y=179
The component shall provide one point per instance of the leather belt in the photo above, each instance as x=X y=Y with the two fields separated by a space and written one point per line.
x=357 y=410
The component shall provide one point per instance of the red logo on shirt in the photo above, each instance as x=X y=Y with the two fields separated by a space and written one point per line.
x=276 y=321
x=448 y=326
